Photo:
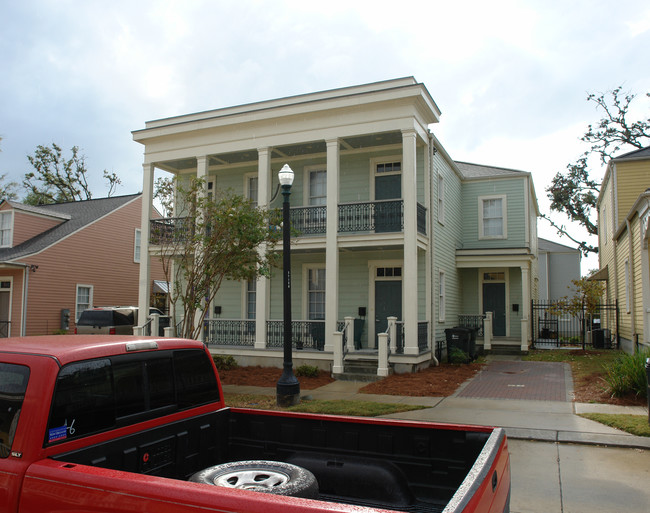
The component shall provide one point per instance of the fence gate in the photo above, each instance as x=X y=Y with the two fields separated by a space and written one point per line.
x=552 y=326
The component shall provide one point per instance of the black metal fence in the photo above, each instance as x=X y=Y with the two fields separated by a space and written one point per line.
x=554 y=326
x=305 y=334
x=235 y=332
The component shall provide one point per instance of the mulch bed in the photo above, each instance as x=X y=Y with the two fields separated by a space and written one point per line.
x=268 y=377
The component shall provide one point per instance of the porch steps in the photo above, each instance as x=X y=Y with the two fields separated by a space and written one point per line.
x=507 y=348
x=358 y=370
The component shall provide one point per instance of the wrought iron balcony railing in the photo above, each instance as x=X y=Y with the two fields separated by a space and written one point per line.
x=362 y=217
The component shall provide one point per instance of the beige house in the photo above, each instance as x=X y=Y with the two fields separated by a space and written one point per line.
x=57 y=260
x=623 y=235
x=395 y=237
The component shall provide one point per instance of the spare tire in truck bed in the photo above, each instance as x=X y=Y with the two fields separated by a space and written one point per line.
x=273 y=477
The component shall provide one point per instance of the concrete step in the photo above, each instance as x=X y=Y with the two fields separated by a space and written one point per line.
x=506 y=349
x=358 y=370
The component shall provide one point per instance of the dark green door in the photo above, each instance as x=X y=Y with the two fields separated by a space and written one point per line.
x=388 y=303
x=388 y=215
x=494 y=300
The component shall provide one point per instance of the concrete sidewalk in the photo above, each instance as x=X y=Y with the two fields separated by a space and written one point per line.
x=548 y=421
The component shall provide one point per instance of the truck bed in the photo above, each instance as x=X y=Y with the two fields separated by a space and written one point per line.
x=404 y=466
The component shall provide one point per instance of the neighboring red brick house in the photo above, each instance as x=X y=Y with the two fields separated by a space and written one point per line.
x=63 y=258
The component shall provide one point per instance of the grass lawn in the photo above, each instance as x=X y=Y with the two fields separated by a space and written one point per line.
x=339 y=407
x=635 y=424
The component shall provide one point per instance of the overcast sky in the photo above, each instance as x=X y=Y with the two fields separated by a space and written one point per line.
x=510 y=77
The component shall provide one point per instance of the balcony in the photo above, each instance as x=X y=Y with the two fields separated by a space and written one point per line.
x=362 y=217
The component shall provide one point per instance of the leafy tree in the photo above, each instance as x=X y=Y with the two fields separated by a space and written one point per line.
x=56 y=179
x=574 y=192
x=214 y=239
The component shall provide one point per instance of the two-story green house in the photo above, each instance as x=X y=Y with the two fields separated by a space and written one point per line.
x=392 y=233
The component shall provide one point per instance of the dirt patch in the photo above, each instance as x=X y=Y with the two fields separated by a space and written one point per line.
x=441 y=381
x=268 y=377
x=592 y=389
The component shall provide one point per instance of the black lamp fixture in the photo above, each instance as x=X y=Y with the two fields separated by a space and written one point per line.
x=288 y=387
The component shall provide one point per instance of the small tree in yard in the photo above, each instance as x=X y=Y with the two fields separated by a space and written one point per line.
x=584 y=303
x=213 y=239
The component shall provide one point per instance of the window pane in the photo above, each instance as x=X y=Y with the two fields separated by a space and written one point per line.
x=195 y=378
x=252 y=190
x=316 y=294
x=83 y=401
x=317 y=188
x=251 y=293
x=13 y=383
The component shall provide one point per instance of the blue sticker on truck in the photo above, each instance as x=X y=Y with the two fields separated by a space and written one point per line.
x=59 y=433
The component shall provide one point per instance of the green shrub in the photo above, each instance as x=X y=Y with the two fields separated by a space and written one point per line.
x=457 y=355
x=225 y=362
x=307 y=371
x=627 y=375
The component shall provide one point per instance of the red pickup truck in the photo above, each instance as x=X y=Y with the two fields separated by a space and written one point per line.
x=125 y=424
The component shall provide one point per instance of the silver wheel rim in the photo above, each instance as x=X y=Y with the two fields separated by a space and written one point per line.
x=252 y=479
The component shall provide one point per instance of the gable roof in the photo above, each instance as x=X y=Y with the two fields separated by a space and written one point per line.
x=480 y=171
x=554 y=247
x=77 y=215
x=643 y=153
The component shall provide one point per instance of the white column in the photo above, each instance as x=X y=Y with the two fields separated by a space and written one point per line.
x=410 y=273
x=382 y=357
x=202 y=173
x=331 y=243
x=144 y=292
x=525 y=294
x=262 y=292
x=337 y=365
x=487 y=332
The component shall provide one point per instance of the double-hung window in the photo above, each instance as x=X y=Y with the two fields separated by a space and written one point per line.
x=316 y=293
x=317 y=187
x=492 y=217
x=84 y=299
x=6 y=229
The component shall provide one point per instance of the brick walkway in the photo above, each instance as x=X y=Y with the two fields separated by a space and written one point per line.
x=531 y=381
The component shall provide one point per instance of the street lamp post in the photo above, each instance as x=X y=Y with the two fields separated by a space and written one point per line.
x=288 y=387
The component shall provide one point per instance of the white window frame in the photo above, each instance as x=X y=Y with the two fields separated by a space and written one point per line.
x=321 y=168
x=76 y=299
x=137 y=245
x=247 y=187
x=306 y=292
x=442 y=296
x=374 y=162
x=441 y=199
x=10 y=231
x=504 y=217
x=245 y=294
x=604 y=224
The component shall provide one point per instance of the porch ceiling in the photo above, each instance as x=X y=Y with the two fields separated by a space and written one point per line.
x=289 y=151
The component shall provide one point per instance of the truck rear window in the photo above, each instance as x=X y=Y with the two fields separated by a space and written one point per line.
x=96 y=395
x=13 y=383
x=104 y=318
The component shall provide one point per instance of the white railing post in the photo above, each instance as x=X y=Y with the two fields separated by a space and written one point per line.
x=169 y=332
x=487 y=332
x=524 y=334
x=337 y=363
x=137 y=331
x=382 y=363
x=155 y=324
x=392 y=334
x=349 y=333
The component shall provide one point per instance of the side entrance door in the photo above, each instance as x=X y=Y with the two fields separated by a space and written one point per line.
x=494 y=300
x=388 y=303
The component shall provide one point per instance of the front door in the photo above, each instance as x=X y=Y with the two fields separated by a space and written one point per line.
x=388 y=215
x=494 y=300
x=388 y=303
x=5 y=304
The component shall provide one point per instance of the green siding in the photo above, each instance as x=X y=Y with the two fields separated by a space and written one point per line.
x=515 y=191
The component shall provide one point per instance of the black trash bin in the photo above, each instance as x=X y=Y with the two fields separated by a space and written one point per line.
x=462 y=339
x=598 y=339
